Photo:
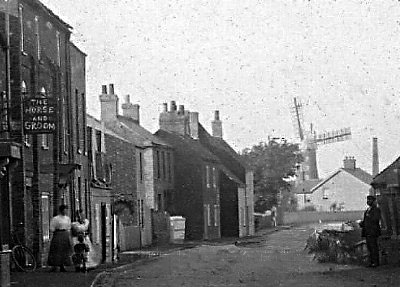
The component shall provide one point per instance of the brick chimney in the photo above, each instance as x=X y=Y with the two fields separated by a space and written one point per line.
x=375 y=157
x=175 y=121
x=194 y=125
x=109 y=104
x=131 y=111
x=216 y=126
x=349 y=162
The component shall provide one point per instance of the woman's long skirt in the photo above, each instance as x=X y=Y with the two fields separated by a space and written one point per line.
x=60 y=249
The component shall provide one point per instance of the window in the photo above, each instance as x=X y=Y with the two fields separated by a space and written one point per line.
x=216 y=214
x=37 y=37
x=169 y=166
x=158 y=165
x=98 y=141
x=77 y=124
x=208 y=215
x=159 y=202
x=80 y=192
x=140 y=213
x=207 y=176
x=325 y=193
x=89 y=135
x=141 y=166
x=214 y=177
x=164 y=165
x=28 y=140
x=45 y=218
x=21 y=26
x=58 y=39
x=45 y=141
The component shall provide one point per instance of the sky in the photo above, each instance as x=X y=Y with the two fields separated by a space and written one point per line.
x=249 y=59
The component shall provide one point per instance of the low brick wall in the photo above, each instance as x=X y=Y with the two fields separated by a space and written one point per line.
x=300 y=217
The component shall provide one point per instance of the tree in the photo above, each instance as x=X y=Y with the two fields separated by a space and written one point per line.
x=272 y=163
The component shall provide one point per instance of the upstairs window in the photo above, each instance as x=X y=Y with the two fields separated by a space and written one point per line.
x=58 y=39
x=21 y=25
x=77 y=122
x=98 y=141
x=141 y=166
x=158 y=165
x=208 y=176
x=37 y=34
x=45 y=141
x=214 y=177
x=169 y=164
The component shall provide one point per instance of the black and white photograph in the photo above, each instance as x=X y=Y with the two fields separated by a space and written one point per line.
x=199 y=143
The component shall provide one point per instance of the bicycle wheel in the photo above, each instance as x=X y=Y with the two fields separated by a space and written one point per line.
x=23 y=258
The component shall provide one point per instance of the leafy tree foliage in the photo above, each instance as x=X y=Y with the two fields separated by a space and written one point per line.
x=271 y=162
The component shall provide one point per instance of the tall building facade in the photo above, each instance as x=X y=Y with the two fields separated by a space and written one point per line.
x=43 y=113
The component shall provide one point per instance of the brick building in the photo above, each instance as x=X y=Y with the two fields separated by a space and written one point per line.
x=99 y=195
x=154 y=176
x=197 y=190
x=51 y=168
x=344 y=190
x=236 y=183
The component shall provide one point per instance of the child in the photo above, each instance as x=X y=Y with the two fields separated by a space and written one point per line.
x=80 y=256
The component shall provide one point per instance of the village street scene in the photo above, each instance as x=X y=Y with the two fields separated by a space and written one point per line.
x=159 y=143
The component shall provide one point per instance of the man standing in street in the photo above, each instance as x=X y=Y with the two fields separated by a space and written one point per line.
x=371 y=230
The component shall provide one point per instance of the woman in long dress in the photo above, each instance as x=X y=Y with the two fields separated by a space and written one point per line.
x=81 y=227
x=60 y=245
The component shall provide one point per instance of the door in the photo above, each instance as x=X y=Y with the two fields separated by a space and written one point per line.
x=103 y=232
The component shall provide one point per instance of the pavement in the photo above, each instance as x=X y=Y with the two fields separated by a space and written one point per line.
x=45 y=277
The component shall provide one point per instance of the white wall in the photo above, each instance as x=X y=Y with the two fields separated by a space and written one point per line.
x=342 y=188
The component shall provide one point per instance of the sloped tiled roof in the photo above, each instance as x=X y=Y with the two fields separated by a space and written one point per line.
x=357 y=173
x=134 y=132
x=389 y=175
x=228 y=156
x=186 y=146
x=305 y=186
x=360 y=174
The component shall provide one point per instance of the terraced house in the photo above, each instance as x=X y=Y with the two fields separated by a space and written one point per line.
x=43 y=120
x=152 y=178
x=213 y=189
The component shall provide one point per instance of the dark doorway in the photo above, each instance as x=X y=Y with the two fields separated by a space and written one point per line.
x=103 y=232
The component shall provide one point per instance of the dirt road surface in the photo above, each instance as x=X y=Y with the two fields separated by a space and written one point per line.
x=276 y=259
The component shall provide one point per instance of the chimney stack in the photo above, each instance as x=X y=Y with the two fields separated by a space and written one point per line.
x=131 y=111
x=216 y=126
x=181 y=110
x=104 y=89
x=176 y=121
x=375 y=157
x=173 y=106
x=349 y=162
x=111 y=89
x=165 y=107
x=109 y=104
x=194 y=125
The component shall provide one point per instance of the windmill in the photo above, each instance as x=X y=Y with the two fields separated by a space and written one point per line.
x=310 y=140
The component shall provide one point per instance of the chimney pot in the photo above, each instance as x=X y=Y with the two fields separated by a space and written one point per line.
x=104 y=89
x=165 y=107
x=349 y=162
x=216 y=115
x=127 y=99
x=216 y=126
x=181 y=109
x=173 y=106
x=111 y=89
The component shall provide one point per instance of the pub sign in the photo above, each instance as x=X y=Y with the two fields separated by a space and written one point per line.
x=40 y=115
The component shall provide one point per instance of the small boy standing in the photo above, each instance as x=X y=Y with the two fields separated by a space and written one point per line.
x=80 y=256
